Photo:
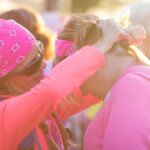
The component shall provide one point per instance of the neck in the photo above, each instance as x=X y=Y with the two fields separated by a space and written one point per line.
x=121 y=63
x=124 y=63
x=112 y=69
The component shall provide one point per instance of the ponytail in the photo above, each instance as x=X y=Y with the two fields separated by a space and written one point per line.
x=87 y=34
x=135 y=52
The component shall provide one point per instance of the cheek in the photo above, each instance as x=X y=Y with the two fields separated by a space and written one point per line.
x=34 y=79
x=26 y=83
x=19 y=84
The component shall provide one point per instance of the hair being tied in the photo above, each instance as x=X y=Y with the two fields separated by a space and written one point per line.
x=82 y=29
x=130 y=49
x=87 y=32
x=134 y=52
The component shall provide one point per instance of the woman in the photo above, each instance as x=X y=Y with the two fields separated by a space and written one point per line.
x=125 y=75
x=25 y=112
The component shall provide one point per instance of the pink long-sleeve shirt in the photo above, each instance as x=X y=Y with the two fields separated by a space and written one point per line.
x=78 y=103
x=20 y=115
x=123 y=123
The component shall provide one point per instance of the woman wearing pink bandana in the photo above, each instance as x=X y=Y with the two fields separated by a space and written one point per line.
x=123 y=123
x=27 y=101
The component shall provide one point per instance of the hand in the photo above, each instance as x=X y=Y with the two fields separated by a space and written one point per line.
x=135 y=34
x=111 y=32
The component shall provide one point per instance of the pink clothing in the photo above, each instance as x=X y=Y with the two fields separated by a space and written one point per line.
x=20 y=115
x=64 y=48
x=123 y=123
x=79 y=102
x=15 y=44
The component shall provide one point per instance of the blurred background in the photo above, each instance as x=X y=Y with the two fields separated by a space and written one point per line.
x=57 y=10
x=69 y=6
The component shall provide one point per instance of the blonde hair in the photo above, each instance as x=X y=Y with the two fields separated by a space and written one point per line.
x=83 y=30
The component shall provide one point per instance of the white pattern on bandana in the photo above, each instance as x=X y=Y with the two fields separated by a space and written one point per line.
x=12 y=33
x=16 y=47
x=1 y=44
x=19 y=59
x=3 y=72
x=5 y=63
x=12 y=22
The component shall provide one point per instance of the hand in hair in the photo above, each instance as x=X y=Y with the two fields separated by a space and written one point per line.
x=135 y=34
x=111 y=32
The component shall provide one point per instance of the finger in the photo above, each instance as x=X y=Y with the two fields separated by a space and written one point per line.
x=133 y=36
x=138 y=28
x=142 y=31
x=140 y=42
x=136 y=35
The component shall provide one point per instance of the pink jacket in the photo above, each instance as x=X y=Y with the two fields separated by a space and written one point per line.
x=20 y=115
x=123 y=123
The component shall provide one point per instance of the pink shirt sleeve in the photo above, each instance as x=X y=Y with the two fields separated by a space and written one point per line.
x=75 y=103
x=21 y=114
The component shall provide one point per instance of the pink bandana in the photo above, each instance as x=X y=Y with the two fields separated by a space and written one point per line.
x=15 y=43
x=64 y=48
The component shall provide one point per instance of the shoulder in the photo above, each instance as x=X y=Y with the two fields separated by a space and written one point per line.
x=134 y=78
x=129 y=101
x=131 y=89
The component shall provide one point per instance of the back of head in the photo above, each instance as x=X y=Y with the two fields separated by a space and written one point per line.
x=83 y=30
x=32 y=20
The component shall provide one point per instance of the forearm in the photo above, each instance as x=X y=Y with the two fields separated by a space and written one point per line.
x=75 y=103
x=28 y=110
